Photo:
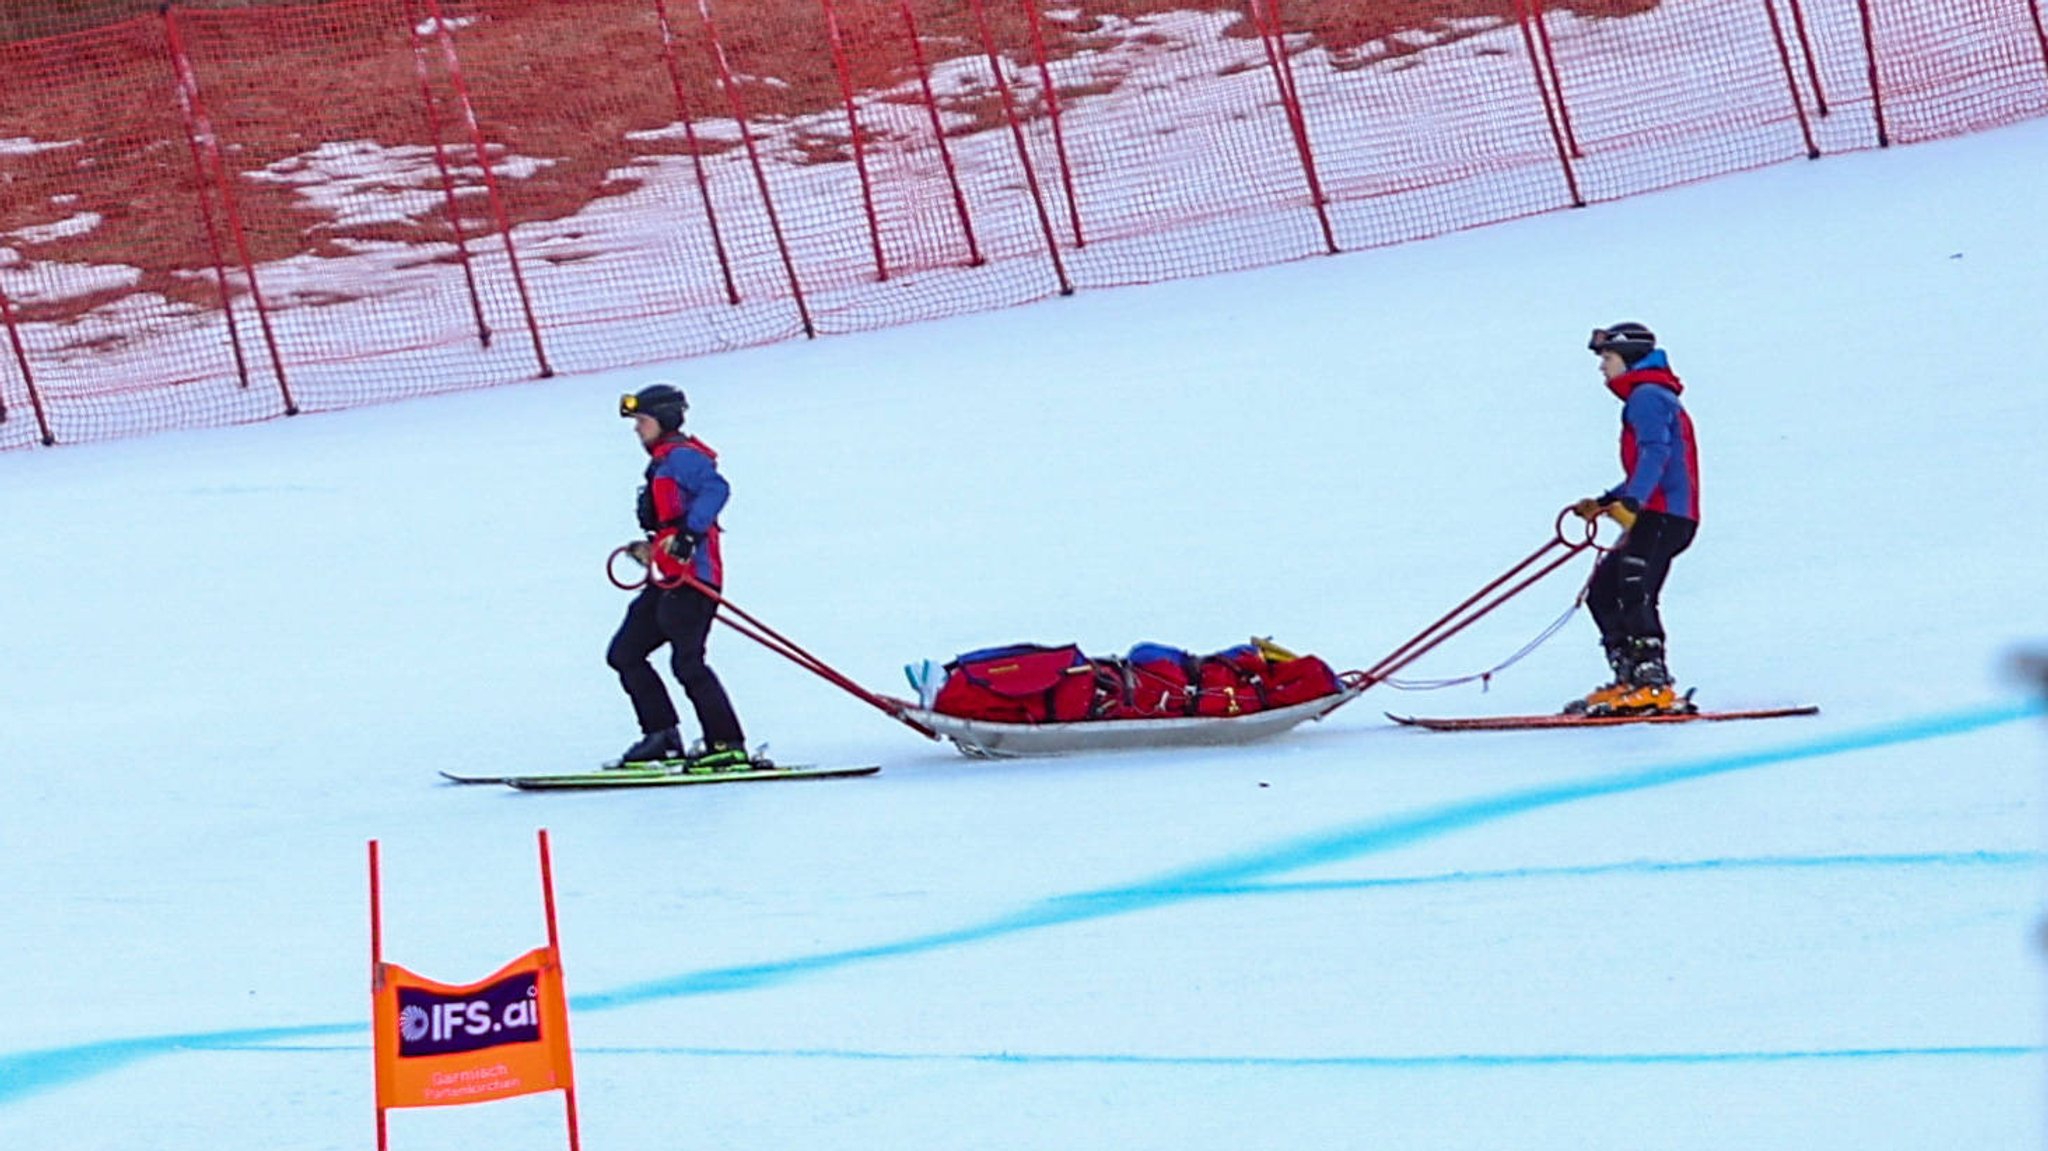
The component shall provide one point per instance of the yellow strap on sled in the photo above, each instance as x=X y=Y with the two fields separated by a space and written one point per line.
x=1271 y=650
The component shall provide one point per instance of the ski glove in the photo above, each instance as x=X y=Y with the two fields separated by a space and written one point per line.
x=1629 y=504
x=681 y=543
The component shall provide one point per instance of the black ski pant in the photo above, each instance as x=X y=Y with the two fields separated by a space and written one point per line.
x=1622 y=595
x=681 y=618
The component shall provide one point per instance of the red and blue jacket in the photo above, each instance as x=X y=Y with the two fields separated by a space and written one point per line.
x=687 y=492
x=1657 y=446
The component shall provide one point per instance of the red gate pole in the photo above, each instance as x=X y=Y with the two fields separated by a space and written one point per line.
x=1002 y=82
x=1059 y=134
x=1820 y=96
x=28 y=379
x=931 y=106
x=1884 y=135
x=860 y=153
x=1272 y=33
x=689 y=119
x=547 y=895
x=1564 y=159
x=377 y=984
x=491 y=189
x=716 y=47
x=200 y=128
x=1564 y=111
x=1791 y=80
x=433 y=117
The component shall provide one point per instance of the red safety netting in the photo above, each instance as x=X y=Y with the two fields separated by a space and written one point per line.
x=226 y=213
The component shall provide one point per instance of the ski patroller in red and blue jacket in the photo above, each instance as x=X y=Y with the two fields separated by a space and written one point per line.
x=688 y=493
x=1657 y=446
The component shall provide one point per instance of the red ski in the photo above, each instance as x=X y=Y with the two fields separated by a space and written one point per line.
x=1528 y=722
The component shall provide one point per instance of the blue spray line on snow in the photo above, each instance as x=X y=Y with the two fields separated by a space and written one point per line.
x=1291 y=1062
x=1648 y=867
x=1994 y=860
x=1382 y=835
x=28 y=1073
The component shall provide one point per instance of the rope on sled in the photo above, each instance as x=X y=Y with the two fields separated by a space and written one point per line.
x=1485 y=678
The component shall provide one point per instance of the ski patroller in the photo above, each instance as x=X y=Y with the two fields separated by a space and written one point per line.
x=1539 y=722
x=661 y=774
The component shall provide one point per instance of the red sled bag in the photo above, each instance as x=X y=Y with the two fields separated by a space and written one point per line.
x=1231 y=682
x=1154 y=682
x=1021 y=683
x=1298 y=680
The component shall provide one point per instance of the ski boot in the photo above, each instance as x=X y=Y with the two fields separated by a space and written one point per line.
x=652 y=747
x=715 y=758
x=1600 y=701
x=1644 y=699
x=1642 y=684
x=1650 y=690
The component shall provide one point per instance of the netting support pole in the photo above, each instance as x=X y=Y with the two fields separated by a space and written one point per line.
x=2040 y=30
x=1884 y=135
x=1539 y=17
x=499 y=211
x=1820 y=95
x=433 y=118
x=199 y=127
x=1009 y=100
x=1059 y=132
x=220 y=259
x=1791 y=78
x=931 y=104
x=738 y=102
x=689 y=121
x=853 y=135
x=28 y=379
x=1272 y=34
x=1550 y=112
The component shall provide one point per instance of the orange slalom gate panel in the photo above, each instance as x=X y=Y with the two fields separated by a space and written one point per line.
x=440 y=1045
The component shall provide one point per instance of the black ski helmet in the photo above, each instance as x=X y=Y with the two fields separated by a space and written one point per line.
x=1630 y=341
x=664 y=402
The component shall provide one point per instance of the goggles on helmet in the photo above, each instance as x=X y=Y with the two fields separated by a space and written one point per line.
x=1611 y=339
x=630 y=405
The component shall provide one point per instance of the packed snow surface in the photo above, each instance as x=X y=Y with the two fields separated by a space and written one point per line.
x=228 y=659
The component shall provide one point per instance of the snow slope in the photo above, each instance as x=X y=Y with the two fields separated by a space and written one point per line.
x=229 y=658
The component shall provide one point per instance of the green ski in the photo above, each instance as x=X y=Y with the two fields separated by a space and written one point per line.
x=660 y=775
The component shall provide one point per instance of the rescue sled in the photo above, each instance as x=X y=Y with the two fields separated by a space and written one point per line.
x=1031 y=700
x=1026 y=700
x=983 y=739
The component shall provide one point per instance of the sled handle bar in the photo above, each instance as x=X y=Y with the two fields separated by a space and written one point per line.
x=736 y=618
x=646 y=561
x=611 y=569
x=1477 y=605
